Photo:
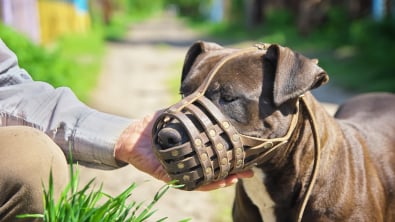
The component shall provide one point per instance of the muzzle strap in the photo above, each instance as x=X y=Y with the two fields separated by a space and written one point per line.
x=215 y=143
x=197 y=143
x=214 y=147
x=231 y=134
x=257 y=149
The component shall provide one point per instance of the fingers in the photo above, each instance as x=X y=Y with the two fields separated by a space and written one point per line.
x=230 y=180
x=161 y=174
x=219 y=184
x=245 y=174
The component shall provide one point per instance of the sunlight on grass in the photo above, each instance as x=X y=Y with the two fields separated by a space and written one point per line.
x=90 y=204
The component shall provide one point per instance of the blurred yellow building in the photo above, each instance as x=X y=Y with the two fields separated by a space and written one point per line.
x=61 y=17
x=45 y=20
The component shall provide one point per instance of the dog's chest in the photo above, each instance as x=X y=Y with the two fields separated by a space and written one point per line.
x=257 y=192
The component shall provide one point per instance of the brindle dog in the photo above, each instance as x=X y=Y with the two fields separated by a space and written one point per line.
x=258 y=92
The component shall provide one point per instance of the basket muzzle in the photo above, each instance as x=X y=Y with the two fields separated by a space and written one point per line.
x=205 y=146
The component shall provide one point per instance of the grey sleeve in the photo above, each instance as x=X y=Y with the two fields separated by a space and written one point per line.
x=89 y=134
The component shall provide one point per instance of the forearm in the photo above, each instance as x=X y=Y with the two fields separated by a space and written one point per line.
x=92 y=139
x=89 y=134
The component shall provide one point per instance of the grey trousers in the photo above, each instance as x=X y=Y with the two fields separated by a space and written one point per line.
x=26 y=158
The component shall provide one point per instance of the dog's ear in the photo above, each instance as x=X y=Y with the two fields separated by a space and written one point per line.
x=194 y=51
x=294 y=73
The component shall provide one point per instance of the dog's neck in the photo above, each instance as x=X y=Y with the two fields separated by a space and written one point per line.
x=288 y=172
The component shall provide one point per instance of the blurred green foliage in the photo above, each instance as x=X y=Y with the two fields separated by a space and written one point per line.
x=191 y=8
x=360 y=54
x=125 y=13
x=141 y=8
x=357 y=54
x=73 y=61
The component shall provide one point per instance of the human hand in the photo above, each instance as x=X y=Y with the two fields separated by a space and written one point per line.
x=228 y=181
x=135 y=147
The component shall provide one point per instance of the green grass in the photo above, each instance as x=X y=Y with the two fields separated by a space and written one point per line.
x=90 y=204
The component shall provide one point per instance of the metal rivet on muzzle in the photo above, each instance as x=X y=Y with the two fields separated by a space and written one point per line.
x=198 y=142
x=204 y=157
x=180 y=166
x=225 y=125
x=174 y=153
x=219 y=146
x=212 y=133
x=186 y=178
x=268 y=145
x=239 y=151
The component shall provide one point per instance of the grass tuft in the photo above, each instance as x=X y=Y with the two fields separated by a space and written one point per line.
x=93 y=205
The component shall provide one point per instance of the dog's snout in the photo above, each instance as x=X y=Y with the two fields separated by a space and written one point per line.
x=169 y=137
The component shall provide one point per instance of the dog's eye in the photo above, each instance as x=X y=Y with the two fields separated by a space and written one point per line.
x=228 y=98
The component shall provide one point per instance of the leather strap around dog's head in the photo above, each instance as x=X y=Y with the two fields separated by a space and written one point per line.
x=225 y=151
x=218 y=149
x=215 y=148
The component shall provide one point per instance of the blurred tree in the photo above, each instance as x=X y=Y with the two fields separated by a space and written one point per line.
x=308 y=13
x=312 y=13
x=254 y=12
x=107 y=11
x=236 y=12
x=359 y=8
x=190 y=8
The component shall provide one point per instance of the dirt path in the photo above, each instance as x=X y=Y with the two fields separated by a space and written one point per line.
x=133 y=84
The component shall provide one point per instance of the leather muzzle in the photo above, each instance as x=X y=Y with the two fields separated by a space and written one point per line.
x=214 y=148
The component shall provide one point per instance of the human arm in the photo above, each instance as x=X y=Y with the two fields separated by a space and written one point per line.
x=92 y=136
x=88 y=133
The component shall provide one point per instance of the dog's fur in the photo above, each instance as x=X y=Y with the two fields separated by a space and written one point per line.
x=258 y=93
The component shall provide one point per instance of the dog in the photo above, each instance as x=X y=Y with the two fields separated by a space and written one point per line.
x=259 y=92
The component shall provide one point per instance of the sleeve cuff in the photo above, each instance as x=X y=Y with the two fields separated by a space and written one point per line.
x=94 y=139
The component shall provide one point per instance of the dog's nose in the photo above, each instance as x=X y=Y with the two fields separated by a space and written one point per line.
x=169 y=137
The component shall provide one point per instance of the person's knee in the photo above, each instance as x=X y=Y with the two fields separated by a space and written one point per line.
x=31 y=151
x=27 y=156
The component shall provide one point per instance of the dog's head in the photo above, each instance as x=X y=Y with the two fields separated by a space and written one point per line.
x=229 y=94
